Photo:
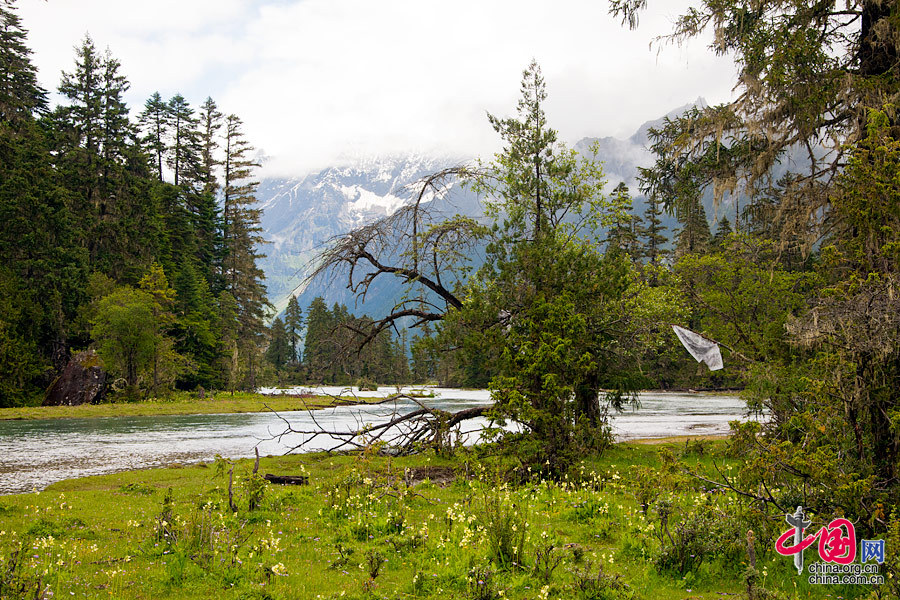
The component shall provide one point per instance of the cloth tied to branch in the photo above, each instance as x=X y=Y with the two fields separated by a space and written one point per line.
x=702 y=349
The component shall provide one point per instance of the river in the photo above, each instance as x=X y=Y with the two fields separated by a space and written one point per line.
x=36 y=453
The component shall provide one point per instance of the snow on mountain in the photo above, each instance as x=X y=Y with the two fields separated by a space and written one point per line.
x=300 y=215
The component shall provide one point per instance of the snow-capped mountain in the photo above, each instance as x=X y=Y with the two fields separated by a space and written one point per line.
x=300 y=215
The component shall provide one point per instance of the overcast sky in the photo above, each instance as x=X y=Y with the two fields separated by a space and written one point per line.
x=317 y=81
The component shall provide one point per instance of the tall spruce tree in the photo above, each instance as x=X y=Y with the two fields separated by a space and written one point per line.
x=652 y=234
x=20 y=94
x=293 y=322
x=210 y=121
x=318 y=349
x=241 y=231
x=154 y=122
x=694 y=236
x=184 y=149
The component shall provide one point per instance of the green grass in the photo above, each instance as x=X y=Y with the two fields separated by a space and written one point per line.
x=181 y=403
x=443 y=525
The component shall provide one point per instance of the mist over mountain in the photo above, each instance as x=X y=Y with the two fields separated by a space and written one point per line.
x=300 y=215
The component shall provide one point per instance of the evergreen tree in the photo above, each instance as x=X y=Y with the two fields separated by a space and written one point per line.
x=319 y=350
x=652 y=234
x=694 y=236
x=722 y=232
x=20 y=94
x=623 y=234
x=155 y=124
x=241 y=232
x=43 y=273
x=184 y=149
x=95 y=155
x=293 y=322
x=279 y=351
x=527 y=159
x=206 y=216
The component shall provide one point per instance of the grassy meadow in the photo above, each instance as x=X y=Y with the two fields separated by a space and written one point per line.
x=629 y=524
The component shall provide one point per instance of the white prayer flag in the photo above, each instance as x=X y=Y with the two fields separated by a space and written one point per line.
x=702 y=349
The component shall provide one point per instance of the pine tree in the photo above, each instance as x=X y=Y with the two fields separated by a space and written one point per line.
x=155 y=124
x=207 y=210
x=293 y=322
x=722 y=232
x=279 y=351
x=96 y=156
x=527 y=158
x=694 y=236
x=20 y=94
x=184 y=150
x=241 y=232
x=623 y=234
x=653 y=233
x=318 y=350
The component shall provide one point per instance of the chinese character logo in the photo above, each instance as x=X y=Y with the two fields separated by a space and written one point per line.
x=837 y=549
x=872 y=550
x=837 y=540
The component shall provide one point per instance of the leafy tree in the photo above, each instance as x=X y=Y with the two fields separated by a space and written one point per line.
x=809 y=72
x=810 y=142
x=128 y=335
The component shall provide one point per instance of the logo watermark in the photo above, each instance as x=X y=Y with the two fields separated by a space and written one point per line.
x=837 y=549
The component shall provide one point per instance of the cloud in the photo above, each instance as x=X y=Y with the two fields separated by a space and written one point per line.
x=318 y=80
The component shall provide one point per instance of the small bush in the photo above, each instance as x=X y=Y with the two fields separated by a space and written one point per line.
x=601 y=586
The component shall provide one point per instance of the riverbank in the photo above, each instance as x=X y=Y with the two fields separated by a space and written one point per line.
x=184 y=403
x=386 y=527
x=188 y=403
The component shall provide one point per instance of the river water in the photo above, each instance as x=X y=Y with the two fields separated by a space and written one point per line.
x=36 y=453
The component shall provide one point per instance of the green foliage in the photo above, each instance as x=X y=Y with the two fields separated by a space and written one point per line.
x=547 y=308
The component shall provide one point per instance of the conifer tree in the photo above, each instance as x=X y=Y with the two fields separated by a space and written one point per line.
x=20 y=94
x=293 y=322
x=207 y=210
x=653 y=233
x=184 y=150
x=241 y=231
x=694 y=236
x=279 y=350
x=155 y=124
x=623 y=235
x=722 y=232
x=318 y=349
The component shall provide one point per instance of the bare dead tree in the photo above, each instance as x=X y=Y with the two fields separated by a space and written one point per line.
x=410 y=427
x=418 y=244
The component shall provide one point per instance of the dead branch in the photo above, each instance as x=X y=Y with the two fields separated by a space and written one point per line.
x=418 y=245
x=403 y=431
